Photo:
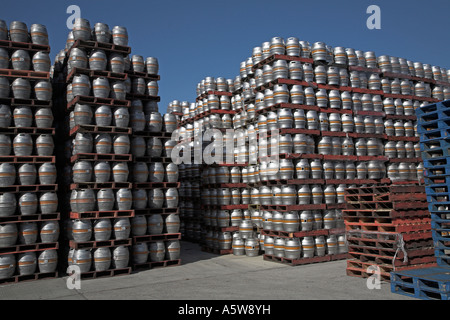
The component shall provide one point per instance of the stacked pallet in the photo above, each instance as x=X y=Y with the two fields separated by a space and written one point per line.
x=95 y=151
x=432 y=282
x=29 y=217
x=388 y=229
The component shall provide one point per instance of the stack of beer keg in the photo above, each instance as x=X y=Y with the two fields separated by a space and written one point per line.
x=156 y=225
x=96 y=151
x=336 y=118
x=29 y=217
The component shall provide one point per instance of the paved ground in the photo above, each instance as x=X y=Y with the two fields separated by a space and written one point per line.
x=205 y=276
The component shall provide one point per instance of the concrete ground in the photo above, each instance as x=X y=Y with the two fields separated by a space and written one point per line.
x=206 y=276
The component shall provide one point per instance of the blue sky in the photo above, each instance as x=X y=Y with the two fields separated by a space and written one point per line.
x=198 y=38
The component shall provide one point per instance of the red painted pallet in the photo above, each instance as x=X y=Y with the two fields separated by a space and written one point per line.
x=301 y=234
x=30 y=218
x=367 y=135
x=144 y=75
x=393 y=189
x=388 y=227
x=393 y=252
x=26 y=102
x=93 y=101
x=20 y=248
x=106 y=273
x=375 y=158
x=157 y=264
x=301 y=261
x=105 y=185
x=157 y=237
x=162 y=211
x=101 y=157
x=332 y=157
x=370 y=113
x=401 y=117
x=364 y=69
x=27 y=159
x=27 y=46
x=31 y=277
x=388 y=213
x=340 y=206
x=388 y=236
x=332 y=87
x=334 y=110
x=291 y=181
x=413 y=257
x=360 y=244
x=388 y=220
x=356 y=268
x=30 y=188
x=31 y=130
x=386 y=205
x=97 y=244
x=296 y=207
x=333 y=134
x=394 y=138
x=389 y=197
x=409 y=160
x=296 y=131
x=369 y=91
x=357 y=181
x=153 y=185
x=427 y=99
x=286 y=105
x=25 y=74
x=96 y=74
x=215 y=92
x=100 y=129
x=95 y=45
x=274 y=57
x=149 y=159
x=102 y=214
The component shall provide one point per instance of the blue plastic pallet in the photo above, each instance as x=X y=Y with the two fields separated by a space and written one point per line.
x=434 y=207
x=439 y=124
x=440 y=224
x=426 y=283
x=436 y=153
x=437 y=171
x=433 y=116
x=440 y=235
x=438 y=188
x=431 y=108
x=434 y=134
x=435 y=180
x=431 y=144
x=443 y=262
x=438 y=161
x=442 y=259
x=434 y=139
x=440 y=215
x=438 y=198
